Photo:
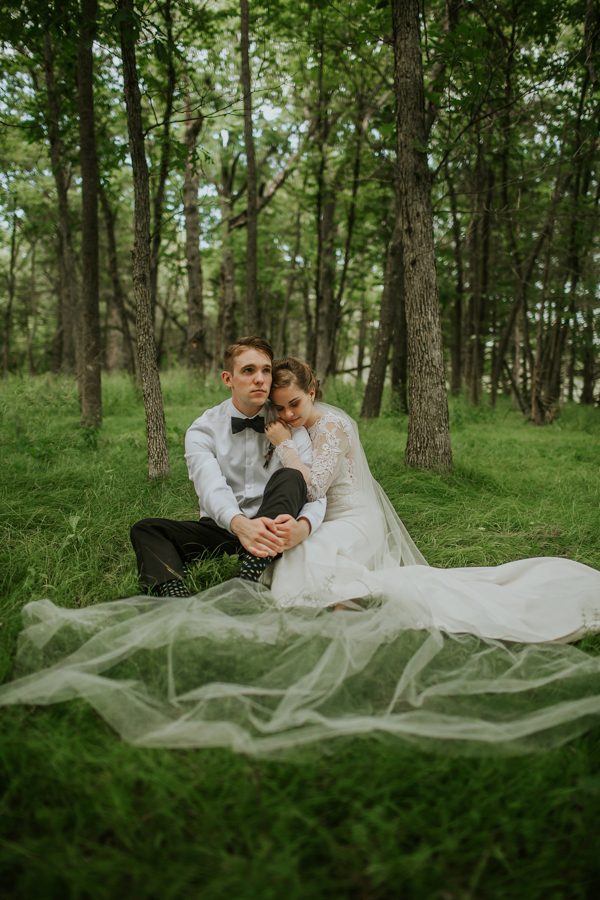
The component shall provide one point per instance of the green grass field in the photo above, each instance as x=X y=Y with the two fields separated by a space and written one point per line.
x=85 y=815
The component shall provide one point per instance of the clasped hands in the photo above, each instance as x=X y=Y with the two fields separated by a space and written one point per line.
x=268 y=537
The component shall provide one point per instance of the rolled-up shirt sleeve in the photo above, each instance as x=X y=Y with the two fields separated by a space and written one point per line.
x=217 y=499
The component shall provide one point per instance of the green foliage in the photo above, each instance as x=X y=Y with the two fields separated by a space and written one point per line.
x=84 y=815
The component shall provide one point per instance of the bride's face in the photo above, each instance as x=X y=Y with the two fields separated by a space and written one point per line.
x=295 y=406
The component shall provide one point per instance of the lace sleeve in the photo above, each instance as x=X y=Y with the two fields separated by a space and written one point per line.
x=330 y=444
x=288 y=456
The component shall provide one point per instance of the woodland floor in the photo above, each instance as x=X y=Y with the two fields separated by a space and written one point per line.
x=84 y=815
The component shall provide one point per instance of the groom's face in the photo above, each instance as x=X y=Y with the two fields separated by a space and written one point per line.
x=250 y=381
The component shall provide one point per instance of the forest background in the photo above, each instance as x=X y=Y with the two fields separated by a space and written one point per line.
x=268 y=165
x=280 y=168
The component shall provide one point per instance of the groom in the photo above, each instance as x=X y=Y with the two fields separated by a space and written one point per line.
x=248 y=504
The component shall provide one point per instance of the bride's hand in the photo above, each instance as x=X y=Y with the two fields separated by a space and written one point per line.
x=277 y=432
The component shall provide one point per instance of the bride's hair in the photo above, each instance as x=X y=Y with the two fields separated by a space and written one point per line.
x=291 y=370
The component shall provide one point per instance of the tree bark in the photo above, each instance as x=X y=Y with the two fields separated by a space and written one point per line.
x=69 y=310
x=428 y=444
x=326 y=280
x=165 y=160
x=91 y=387
x=399 y=373
x=7 y=331
x=252 y=311
x=196 y=339
x=392 y=291
x=121 y=319
x=479 y=276
x=227 y=293
x=456 y=346
x=158 y=456
x=281 y=340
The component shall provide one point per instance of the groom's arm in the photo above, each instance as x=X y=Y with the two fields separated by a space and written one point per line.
x=217 y=499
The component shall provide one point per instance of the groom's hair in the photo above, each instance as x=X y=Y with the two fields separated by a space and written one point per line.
x=252 y=342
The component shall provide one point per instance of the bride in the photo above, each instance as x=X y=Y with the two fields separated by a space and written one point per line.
x=363 y=551
x=461 y=658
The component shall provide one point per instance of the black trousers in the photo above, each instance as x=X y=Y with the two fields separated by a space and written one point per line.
x=163 y=546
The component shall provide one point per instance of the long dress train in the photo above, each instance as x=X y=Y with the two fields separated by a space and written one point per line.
x=465 y=659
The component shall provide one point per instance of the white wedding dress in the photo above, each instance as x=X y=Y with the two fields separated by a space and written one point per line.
x=363 y=552
x=465 y=659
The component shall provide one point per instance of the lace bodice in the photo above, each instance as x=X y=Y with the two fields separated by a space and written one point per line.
x=332 y=470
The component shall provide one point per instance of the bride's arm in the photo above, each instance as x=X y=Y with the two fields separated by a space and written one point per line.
x=330 y=444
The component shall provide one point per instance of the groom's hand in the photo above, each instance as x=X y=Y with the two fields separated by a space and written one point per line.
x=292 y=531
x=257 y=536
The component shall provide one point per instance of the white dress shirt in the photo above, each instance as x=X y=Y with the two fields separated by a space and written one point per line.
x=228 y=469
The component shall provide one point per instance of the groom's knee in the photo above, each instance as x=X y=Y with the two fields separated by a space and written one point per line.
x=140 y=530
x=285 y=492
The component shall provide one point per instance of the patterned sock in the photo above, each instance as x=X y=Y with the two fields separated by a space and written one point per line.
x=252 y=567
x=173 y=588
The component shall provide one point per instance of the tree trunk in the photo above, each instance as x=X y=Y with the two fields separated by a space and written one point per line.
x=362 y=339
x=456 y=347
x=228 y=298
x=91 y=387
x=6 y=336
x=336 y=318
x=281 y=340
x=392 y=291
x=31 y=307
x=165 y=160
x=589 y=370
x=196 y=338
x=158 y=456
x=69 y=312
x=479 y=277
x=326 y=295
x=399 y=372
x=121 y=318
x=428 y=444
x=252 y=312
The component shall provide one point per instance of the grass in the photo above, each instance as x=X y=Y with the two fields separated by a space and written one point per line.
x=84 y=815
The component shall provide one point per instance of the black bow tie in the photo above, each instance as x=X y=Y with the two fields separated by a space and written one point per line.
x=257 y=424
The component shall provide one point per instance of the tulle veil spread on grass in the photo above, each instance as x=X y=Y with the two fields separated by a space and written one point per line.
x=463 y=659
x=228 y=668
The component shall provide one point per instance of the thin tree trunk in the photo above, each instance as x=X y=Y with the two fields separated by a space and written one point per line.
x=7 y=332
x=69 y=313
x=479 y=266
x=228 y=298
x=165 y=161
x=336 y=313
x=252 y=311
x=428 y=444
x=588 y=369
x=392 y=290
x=31 y=324
x=456 y=351
x=91 y=387
x=281 y=340
x=362 y=339
x=326 y=312
x=118 y=295
x=399 y=367
x=158 y=456
x=311 y=336
x=196 y=339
